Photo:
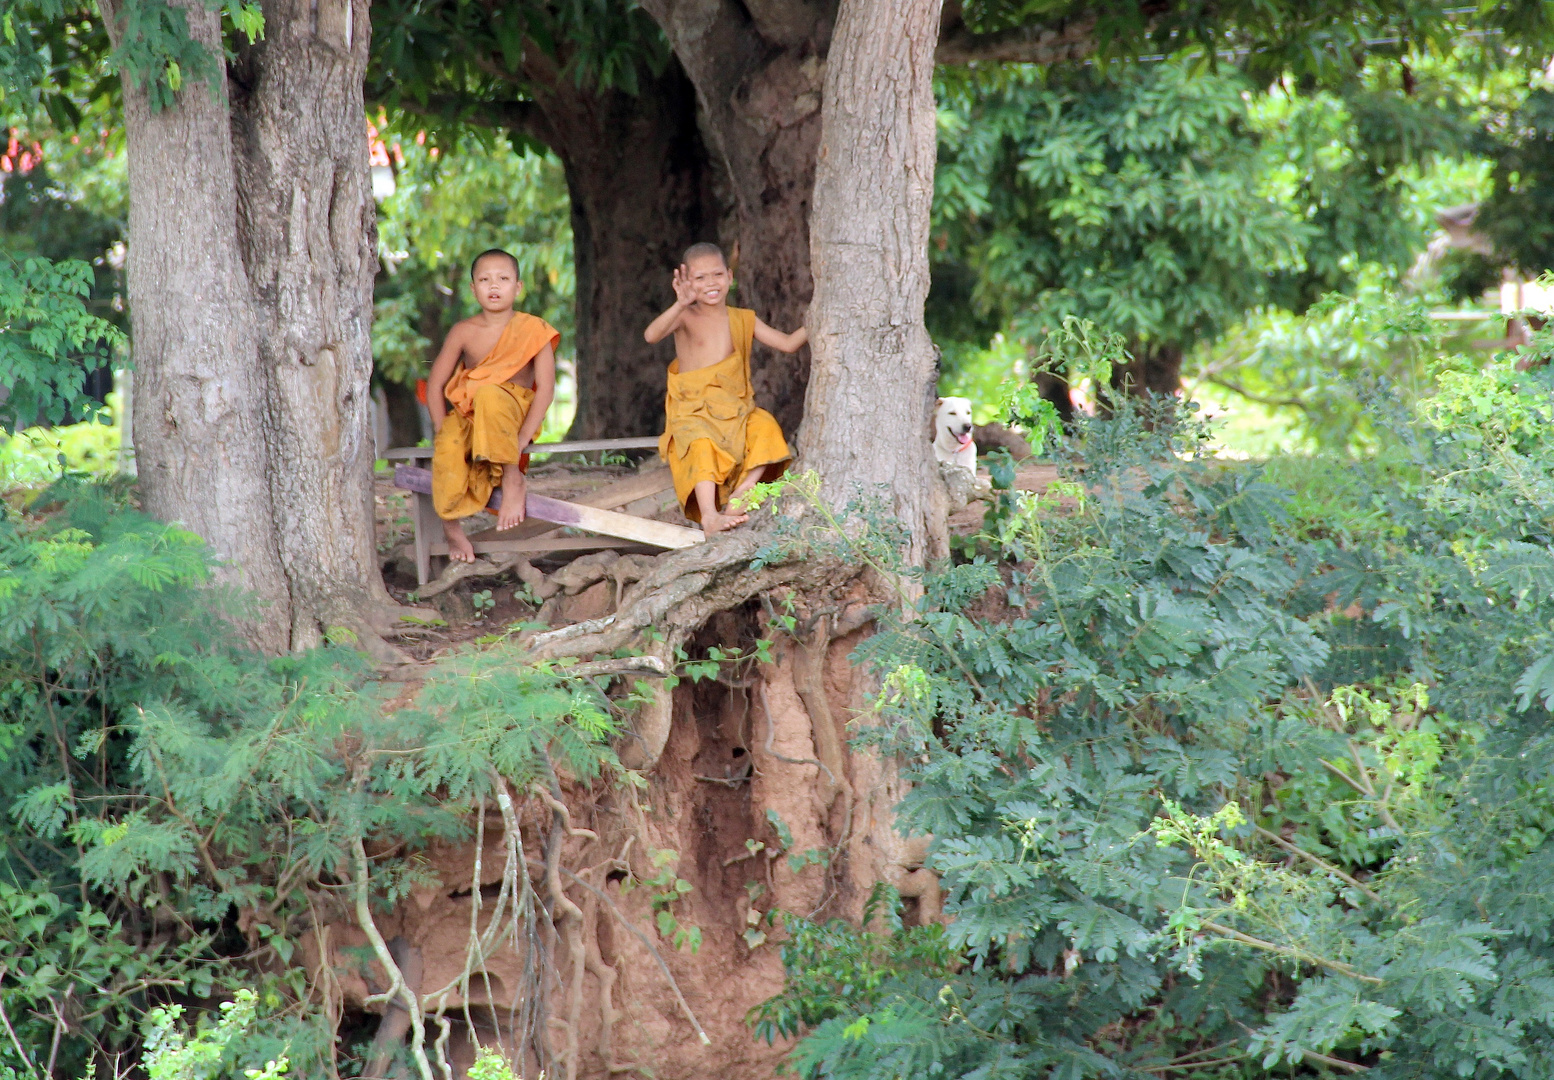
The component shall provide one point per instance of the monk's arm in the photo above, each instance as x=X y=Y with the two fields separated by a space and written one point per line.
x=665 y=324
x=442 y=371
x=783 y=343
x=544 y=394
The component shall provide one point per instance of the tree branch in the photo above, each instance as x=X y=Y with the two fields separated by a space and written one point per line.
x=1323 y=863
x=1051 y=44
x=523 y=117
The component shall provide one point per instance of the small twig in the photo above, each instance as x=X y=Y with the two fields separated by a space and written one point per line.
x=1359 y=766
x=629 y=925
x=1323 y=863
x=1345 y=777
x=1191 y=1065
x=32 y=1070
x=1291 y=952
x=750 y=853
x=60 y=1027
x=1337 y=1063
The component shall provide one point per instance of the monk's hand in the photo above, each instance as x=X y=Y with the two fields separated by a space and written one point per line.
x=684 y=291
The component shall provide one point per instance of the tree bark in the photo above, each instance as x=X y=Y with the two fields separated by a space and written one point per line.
x=308 y=231
x=252 y=253
x=758 y=69
x=871 y=390
x=641 y=187
x=199 y=385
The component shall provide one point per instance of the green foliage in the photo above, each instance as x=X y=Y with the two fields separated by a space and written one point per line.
x=1518 y=216
x=35 y=457
x=1129 y=196
x=1327 y=365
x=491 y=1065
x=1318 y=40
x=164 y=781
x=171 y=1053
x=834 y=970
x=49 y=341
x=1222 y=788
x=157 y=54
x=667 y=887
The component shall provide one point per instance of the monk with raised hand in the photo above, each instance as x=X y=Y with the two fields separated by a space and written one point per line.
x=497 y=370
x=717 y=443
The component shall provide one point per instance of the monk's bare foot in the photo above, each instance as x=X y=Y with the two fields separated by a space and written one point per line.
x=514 y=491
x=459 y=547
x=716 y=522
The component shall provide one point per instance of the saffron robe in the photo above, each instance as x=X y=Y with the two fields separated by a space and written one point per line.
x=712 y=428
x=480 y=436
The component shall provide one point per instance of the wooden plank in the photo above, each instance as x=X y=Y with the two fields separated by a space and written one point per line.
x=645 y=530
x=576 y=446
x=583 y=446
x=609 y=497
x=658 y=533
x=542 y=545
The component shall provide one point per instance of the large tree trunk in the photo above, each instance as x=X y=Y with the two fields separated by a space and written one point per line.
x=199 y=386
x=251 y=260
x=871 y=390
x=758 y=70
x=641 y=186
x=308 y=231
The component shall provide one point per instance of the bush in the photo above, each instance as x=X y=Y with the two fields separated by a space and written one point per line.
x=1230 y=785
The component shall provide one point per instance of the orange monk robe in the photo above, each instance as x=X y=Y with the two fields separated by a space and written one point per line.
x=712 y=429
x=480 y=435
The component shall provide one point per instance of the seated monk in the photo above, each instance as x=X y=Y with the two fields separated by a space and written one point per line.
x=498 y=371
x=717 y=443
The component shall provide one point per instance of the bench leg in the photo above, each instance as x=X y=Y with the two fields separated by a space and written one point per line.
x=428 y=530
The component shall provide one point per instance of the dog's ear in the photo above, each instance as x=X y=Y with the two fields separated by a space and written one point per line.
x=937 y=402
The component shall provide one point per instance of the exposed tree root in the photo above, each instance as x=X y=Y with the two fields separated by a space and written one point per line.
x=398 y=990
x=685 y=588
x=640 y=936
x=810 y=682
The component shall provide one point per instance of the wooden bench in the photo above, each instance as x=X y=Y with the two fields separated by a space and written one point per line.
x=595 y=512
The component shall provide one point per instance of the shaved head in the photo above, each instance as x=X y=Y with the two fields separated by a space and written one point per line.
x=495 y=253
x=702 y=251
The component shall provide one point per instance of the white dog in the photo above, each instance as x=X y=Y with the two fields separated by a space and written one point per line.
x=952 y=443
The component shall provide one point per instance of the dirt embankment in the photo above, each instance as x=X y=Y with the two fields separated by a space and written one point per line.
x=756 y=803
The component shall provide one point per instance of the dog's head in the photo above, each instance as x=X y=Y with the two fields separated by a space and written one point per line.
x=952 y=420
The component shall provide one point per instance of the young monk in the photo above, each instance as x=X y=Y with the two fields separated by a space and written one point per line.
x=717 y=443
x=498 y=371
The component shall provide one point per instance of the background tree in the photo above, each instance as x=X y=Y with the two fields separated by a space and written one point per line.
x=1166 y=202
x=595 y=84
